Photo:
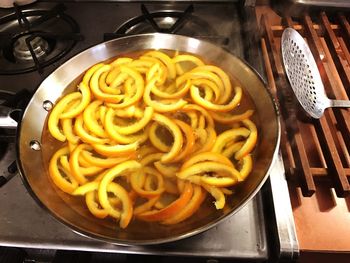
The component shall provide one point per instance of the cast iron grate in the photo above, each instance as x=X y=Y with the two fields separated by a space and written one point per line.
x=17 y=101
x=33 y=39
x=183 y=22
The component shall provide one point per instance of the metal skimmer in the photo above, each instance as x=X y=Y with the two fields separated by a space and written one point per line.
x=304 y=76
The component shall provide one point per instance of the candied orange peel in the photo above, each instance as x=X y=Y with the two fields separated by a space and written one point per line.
x=151 y=137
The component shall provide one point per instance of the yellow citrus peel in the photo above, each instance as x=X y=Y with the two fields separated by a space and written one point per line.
x=151 y=137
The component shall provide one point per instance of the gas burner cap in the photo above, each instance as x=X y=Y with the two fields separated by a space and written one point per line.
x=22 y=52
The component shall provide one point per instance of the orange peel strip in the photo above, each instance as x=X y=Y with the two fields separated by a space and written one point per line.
x=95 y=87
x=85 y=100
x=86 y=188
x=166 y=169
x=206 y=156
x=158 y=106
x=93 y=205
x=121 y=61
x=139 y=125
x=90 y=121
x=66 y=184
x=78 y=172
x=189 y=135
x=104 y=86
x=125 y=215
x=139 y=84
x=219 y=196
x=231 y=118
x=117 y=150
x=84 y=134
x=209 y=167
x=229 y=136
x=56 y=113
x=181 y=92
x=146 y=206
x=216 y=107
x=67 y=128
x=170 y=210
x=251 y=140
x=88 y=74
x=208 y=84
x=155 y=140
x=192 y=207
x=177 y=136
x=107 y=185
x=120 y=138
x=137 y=186
x=224 y=78
x=232 y=149
x=210 y=140
x=84 y=170
x=218 y=181
x=151 y=158
x=204 y=112
x=247 y=166
x=103 y=162
x=168 y=62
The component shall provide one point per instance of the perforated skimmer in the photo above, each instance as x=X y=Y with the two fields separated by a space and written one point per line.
x=304 y=76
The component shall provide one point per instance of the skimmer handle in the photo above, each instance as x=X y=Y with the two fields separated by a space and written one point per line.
x=340 y=103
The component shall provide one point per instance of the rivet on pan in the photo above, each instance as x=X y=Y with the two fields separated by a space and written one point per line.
x=47 y=105
x=35 y=145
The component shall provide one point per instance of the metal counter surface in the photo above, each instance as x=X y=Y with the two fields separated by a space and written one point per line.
x=24 y=224
x=242 y=236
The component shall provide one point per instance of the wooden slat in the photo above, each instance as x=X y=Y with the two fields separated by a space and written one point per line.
x=323 y=172
x=308 y=184
x=336 y=170
x=345 y=49
x=342 y=186
x=289 y=22
x=340 y=117
x=288 y=158
x=318 y=171
x=345 y=27
x=335 y=49
x=278 y=29
x=286 y=97
x=275 y=59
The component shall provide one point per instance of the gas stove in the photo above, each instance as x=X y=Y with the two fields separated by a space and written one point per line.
x=35 y=39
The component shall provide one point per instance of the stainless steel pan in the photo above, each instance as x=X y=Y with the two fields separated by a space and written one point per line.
x=35 y=147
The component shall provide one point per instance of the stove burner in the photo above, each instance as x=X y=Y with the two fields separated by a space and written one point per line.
x=33 y=39
x=22 y=53
x=168 y=21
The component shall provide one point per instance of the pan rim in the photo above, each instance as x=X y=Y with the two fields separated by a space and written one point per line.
x=196 y=231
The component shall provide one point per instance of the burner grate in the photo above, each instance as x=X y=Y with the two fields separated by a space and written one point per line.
x=33 y=39
x=315 y=151
x=17 y=101
x=182 y=22
x=8 y=164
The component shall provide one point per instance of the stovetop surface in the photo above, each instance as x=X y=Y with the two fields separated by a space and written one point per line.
x=24 y=224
